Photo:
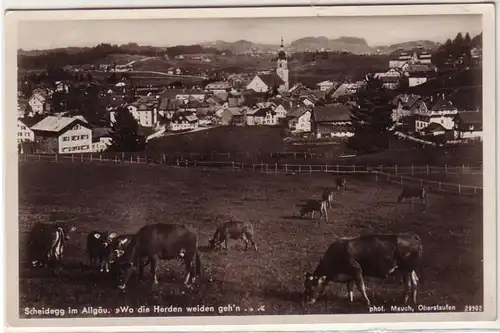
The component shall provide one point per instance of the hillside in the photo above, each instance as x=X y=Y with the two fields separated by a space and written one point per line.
x=348 y=44
x=426 y=44
x=239 y=46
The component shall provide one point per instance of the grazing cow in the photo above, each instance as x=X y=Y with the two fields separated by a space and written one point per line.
x=46 y=243
x=98 y=245
x=349 y=260
x=161 y=242
x=413 y=193
x=312 y=206
x=233 y=230
x=327 y=195
x=341 y=183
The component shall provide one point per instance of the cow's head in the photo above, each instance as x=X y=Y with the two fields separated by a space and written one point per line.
x=116 y=248
x=66 y=230
x=313 y=286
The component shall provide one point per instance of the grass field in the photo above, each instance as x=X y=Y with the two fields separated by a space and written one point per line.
x=123 y=198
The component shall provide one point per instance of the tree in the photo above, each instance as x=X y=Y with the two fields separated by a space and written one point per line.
x=125 y=133
x=371 y=119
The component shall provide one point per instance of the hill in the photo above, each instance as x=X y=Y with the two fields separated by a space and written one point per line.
x=425 y=44
x=240 y=46
x=348 y=44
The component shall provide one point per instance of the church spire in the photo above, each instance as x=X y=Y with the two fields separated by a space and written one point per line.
x=281 y=42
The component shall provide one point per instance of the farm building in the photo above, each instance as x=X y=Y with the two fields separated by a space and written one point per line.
x=299 y=120
x=332 y=120
x=63 y=135
x=230 y=116
x=38 y=103
x=405 y=106
x=262 y=116
x=24 y=133
x=441 y=111
x=265 y=82
x=325 y=85
x=469 y=125
x=101 y=139
x=183 y=121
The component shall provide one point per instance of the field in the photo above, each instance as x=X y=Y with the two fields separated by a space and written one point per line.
x=123 y=198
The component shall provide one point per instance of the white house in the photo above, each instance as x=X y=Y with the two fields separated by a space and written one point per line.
x=262 y=116
x=194 y=94
x=63 y=135
x=441 y=112
x=218 y=87
x=38 y=102
x=299 y=120
x=183 y=121
x=469 y=125
x=280 y=111
x=332 y=120
x=265 y=83
x=24 y=133
x=325 y=85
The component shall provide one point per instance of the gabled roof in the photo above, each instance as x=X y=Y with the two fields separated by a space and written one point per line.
x=344 y=89
x=331 y=112
x=271 y=80
x=297 y=112
x=56 y=124
x=434 y=127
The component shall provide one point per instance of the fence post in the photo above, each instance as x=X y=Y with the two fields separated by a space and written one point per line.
x=446 y=169
x=55 y=157
x=463 y=168
x=427 y=169
x=474 y=190
x=73 y=158
x=300 y=168
x=439 y=186
x=396 y=169
x=459 y=188
x=81 y=158
x=337 y=168
x=401 y=180
x=253 y=167
x=354 y=168
x=90 y=158
x=412 y=170
x=138 y=159
x=130 y=159
x=100 y=157
x=380 y=168
x=310 y=169
x=326 y=167
x=116 y=159
x=232 y=165
x=276 y=168
x=286 y=168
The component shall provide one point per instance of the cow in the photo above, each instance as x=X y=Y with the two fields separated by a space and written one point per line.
x=327 y=195
x=98 y=246
x=349 y=260
x=311 y=206
x=341 y=183
x=46 y=244
x=233 y=230
x=413 y=193
x=156 y=242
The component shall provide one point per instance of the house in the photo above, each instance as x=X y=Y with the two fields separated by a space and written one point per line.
x=469 y=125
x=325 y=85
x=266 y=82
x=63 y=135
x=441 y=111
x=218 y=87
x=230 y=116
x=262 y=116
x=22 y=110
x=62 y=87
x=183 y=121
x=405 y=105
x=101 y=139
x=280 y=111
x=415 y=56
x=299 y=120
x=24 y=133
x=145 y=110
x=333 y=120
x=434 y=129
x=38 y=103
x=345 y=89
x=191 y=94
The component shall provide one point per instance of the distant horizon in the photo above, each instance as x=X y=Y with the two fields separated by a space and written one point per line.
x=375 y=30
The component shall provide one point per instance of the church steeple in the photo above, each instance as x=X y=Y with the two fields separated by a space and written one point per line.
x=282 y=65
x=281 y=52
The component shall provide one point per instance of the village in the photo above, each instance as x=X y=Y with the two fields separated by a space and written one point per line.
x=322 y=113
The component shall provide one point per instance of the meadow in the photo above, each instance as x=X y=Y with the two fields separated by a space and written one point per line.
x=122 y=198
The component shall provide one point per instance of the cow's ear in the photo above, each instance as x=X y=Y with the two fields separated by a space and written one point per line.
x=97 y=236
x=123 y=241
x=112 y=235
x=321 y=279
x=73 y=228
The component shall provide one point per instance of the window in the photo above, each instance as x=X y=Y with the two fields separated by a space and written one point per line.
x=19 y=134
x=66 y=138
x=76 y=127
x=23 y=127
x=75 y=138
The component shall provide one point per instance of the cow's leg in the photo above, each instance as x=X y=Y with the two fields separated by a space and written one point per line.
x=188 y=261
x=140 y=266
x=245 y=240
x=414 y=283
x=312 y=215
x=154 y=263
x=254 y=244
x=350 y=290
x=360 y=283
x=407 y=286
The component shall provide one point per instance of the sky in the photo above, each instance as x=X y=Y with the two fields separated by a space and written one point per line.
x=379 y=30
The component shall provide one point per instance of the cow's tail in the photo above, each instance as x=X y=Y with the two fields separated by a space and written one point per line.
x=197 y=264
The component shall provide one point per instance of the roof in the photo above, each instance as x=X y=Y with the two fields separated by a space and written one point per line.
x=442 y=105
x=331 y=112
x=407 y=100
x=419 y=68
x=435 y=127
x=344 y=89
x=470 y=117
x=56 y=124
x=271 y=80
x=297 y=112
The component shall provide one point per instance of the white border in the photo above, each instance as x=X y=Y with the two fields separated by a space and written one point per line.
x=276 y=323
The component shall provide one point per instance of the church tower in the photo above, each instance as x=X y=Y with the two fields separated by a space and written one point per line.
x=282 y=65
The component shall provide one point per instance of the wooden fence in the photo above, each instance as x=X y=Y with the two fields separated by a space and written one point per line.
x=392 y=174
x=412 y=170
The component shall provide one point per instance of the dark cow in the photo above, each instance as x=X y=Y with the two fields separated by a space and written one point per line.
x=413 y=193
x=46 y=243
x=233 y=230
x=327 y=195
x=118 y=246
x=161 y=242
x=312 y=206
x=98 y=245
x=349 y=260
x=341 y=183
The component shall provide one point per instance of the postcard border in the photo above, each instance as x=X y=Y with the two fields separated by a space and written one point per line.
x=396 y=321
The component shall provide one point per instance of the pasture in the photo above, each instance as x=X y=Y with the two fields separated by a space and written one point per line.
x=122 y=198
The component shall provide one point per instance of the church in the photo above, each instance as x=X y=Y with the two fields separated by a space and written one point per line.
x=279 y=80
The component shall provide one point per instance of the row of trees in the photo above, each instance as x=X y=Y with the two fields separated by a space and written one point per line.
x=457 y=51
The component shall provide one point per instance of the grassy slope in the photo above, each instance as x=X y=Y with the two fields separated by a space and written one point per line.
x=123 y=198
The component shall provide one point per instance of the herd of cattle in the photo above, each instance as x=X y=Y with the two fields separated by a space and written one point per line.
x=347 y=260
